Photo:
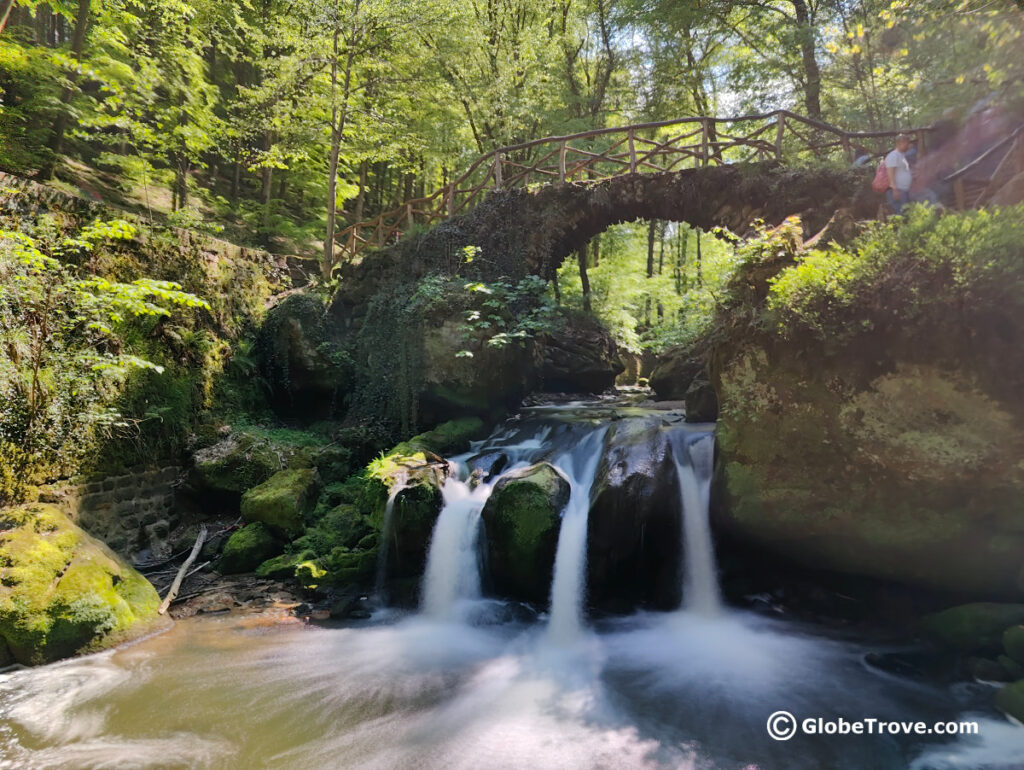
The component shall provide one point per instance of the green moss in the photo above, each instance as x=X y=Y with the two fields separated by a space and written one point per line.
x=283 y=567
x=974 y=627
x=61 y=591
x=1013 y=643
x=247 y=548
x=282 y=501
x=1010 y=699
x=522 y=520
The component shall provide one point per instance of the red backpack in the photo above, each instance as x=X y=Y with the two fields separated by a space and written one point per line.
x=881 y=181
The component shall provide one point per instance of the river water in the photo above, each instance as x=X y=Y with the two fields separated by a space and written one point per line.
x=465 y=682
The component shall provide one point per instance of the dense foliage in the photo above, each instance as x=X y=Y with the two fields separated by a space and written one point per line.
x=282 y=122
x=67 y=350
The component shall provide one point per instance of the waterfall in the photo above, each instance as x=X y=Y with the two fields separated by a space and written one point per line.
x=385 y=539
x=568 y=586
x=694 y=462
x=452 y=572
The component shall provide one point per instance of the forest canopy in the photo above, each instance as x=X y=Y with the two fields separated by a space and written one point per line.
x=279 y=123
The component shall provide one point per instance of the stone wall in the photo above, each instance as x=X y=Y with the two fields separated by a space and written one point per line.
x=130 y=513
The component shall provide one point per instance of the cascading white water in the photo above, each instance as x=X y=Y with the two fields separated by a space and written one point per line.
x=385 y=538
x=452 y=571
x=694 y=462
x=568 y=586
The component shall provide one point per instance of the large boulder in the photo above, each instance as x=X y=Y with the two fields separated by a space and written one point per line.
x=634 y=530
x=522 y=518
x=581 y=358
x=62 y=592
x=248 y=548
x=468 y=377
x=301 y=364
x=701 y=401
x=673 y=374
x=282 y=502
x=416 y=508
x=900 y=471
x=238 y=462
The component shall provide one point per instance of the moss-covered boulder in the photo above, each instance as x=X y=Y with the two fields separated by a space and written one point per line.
x=415 y=512
x=977 y=627
x=522 y=518
x=235 y=464
x=282 y=501
x=61 y=591
x=1010 y=699
x=248 y=548
x=1013 y=643
x=283 y=566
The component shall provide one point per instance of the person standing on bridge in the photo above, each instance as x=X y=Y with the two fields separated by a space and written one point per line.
x=900 y=177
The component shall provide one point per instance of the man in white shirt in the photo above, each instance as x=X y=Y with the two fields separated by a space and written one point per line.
x=900 y=178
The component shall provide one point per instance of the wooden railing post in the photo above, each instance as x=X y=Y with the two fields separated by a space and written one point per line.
x=408 y=215
x=497 y=171
x=561 y=162
x=780 y=129
x=847 y=150
x=704 y=137
x=632 y=152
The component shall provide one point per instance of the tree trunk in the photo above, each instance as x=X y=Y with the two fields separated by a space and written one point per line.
x=597 y=250
x=557 y=289
x=61 y=123
x=339 y=116
x=581 y=257
x=700 y=280
x=361 y=198
x=812 y=73
x=650 y=248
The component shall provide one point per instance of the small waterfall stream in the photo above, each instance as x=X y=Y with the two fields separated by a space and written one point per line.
x=694 y=461
x=569 y=584
x=386 y=532
x=452 y=572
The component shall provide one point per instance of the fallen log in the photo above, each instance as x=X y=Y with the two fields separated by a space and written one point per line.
x=176 y=585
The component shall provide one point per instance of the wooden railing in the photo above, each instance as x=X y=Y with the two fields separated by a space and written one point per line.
x=600 y=154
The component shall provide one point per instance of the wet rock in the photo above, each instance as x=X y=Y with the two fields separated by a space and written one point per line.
x=6 y=656
x=1013 y=668
x=248 y=548
x=987 y=670
x=282 y=501
x=61 y=591
x=582 y=358
x=1010 y=699
x=521 y=524
x=673 y=374
x=1013 y=643
x=977 y=627
x=634 y=532
x=701 y=401
x=413 y=518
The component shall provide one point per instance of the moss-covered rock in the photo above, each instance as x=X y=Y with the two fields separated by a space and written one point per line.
x=235 y=464
x=1010 y=699
x=282 y=501
x=1013 y=669
x=284 y=566
x=1013 y=643
x=248 y=548
x=6 y=656
x=977 y=627
x=522 y=518
x=416 y=509
x=63 y=592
